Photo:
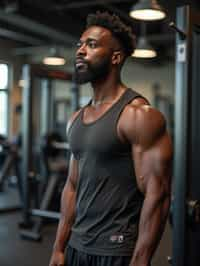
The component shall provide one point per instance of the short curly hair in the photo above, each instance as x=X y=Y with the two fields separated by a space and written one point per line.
x=118 y=28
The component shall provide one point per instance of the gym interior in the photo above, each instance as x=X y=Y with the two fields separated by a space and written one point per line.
x=38 y=95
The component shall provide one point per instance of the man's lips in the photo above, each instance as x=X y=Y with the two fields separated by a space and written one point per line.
x=80 y=64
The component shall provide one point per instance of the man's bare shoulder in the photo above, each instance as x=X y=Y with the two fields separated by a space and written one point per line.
x=72 y=118
x=141 y=122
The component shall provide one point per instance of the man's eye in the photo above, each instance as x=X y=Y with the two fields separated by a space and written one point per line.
x=92 y=44
x=78 y=45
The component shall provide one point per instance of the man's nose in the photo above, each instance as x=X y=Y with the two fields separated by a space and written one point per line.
x=81 y=50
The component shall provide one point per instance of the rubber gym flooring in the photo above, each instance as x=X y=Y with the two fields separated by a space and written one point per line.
x=17 y=252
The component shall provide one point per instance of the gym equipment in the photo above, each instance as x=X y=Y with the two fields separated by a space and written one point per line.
x=42 y=78
x=10 y=161
x=51 y=148
x=186 y=189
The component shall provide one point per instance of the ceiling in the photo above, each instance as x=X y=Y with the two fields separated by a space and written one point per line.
x=44 y=23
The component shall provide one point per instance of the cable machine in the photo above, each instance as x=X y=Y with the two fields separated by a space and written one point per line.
x=186 y=203
x=28 y=74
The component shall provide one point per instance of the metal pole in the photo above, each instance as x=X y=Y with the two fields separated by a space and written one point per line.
x=75 y=96
x=181 y=143
x=38 y=28
x=26 y=140
x=45 y=106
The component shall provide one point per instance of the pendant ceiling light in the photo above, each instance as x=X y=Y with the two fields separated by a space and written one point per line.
x=143 y=48
x=54 y=59
x=147 y=10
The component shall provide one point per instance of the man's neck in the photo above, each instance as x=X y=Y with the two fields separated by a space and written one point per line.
x=107 y=90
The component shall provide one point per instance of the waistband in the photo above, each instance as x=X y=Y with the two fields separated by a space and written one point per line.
x=112 y=245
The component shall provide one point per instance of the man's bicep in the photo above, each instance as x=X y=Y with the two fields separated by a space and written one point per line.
x=69 y=191
x=153 y=165
x=70 y=185
x=72 y=173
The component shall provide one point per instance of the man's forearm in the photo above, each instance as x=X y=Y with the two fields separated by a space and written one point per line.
x=67 y=218
x=68 y=202
x=152 y=221
x=62 y=236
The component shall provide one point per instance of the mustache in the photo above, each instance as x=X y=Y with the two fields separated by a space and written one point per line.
x=80 y=59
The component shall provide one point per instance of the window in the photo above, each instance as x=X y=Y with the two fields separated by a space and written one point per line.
x=4 y=76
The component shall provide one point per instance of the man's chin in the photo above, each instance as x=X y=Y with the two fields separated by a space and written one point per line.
x=81 y=82
x=82 y=78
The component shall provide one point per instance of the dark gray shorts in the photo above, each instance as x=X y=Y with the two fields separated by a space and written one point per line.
x=78 y=258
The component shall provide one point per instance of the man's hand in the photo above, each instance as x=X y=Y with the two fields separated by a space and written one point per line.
x=57 y=258
x=138 y=263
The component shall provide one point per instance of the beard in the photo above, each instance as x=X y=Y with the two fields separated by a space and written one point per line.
x=89 y=72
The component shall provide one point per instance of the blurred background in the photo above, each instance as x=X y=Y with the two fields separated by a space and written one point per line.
x=37 y=97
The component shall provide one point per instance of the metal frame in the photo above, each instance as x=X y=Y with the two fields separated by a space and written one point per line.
x=184 y=126
x=27 y=170
x=193 y=233
x=46 y=90
x=42 y=212
x=20 y=37
x=38 y=28
x=26 y=140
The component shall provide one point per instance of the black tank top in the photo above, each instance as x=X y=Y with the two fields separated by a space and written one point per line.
x=108 y=202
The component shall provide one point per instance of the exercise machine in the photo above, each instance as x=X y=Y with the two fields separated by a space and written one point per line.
x=57 y=170
x=10 y=164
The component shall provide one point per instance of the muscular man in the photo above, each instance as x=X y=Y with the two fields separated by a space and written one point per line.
x=116 y=199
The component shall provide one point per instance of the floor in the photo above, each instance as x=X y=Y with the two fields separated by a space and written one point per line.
x=15 y=251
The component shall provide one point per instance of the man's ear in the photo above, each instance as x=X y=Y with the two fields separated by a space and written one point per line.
x=117 y=58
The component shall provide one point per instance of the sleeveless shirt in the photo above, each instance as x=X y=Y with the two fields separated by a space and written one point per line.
x=108 y=201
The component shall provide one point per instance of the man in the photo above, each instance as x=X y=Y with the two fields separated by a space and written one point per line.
x=116 y=199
